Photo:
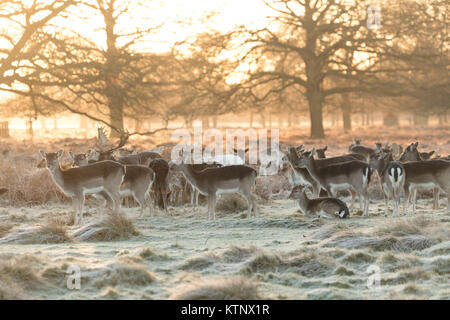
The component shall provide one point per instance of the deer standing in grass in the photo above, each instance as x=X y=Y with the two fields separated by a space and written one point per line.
x=392 y=176
x=228 y=179
x=411 y=153
x=323 y=162
x=351 y=174
x=426 y=174
x=104 y=176
x=137 y=181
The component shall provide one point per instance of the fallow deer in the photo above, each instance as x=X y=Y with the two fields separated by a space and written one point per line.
x=392 y=176
x=363 y=150
x=326 y=207
x=226 y=179
x=351 y=174
x=426 y=174
x=411 y=153
x=104 y=176
x=160 y=185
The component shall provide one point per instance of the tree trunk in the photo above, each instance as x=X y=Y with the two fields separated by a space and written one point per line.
x=112 y=72
x=115 y=117
x=137 y=125
x=346 y=112
x=30 y=130
x=205 y=122
x=316 y=115
x=263 y=119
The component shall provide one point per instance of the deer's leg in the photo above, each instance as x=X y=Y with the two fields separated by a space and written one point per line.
x=247 y=195
x=213 y=206
x=448 y=201
x=80 y=205
x=436 y=192
x=414 y=198
x=353 y=194
x=406 y=200
x=139 y=197
x=192 y=189
x=316 y=189
x=78 y=200
x=209 y=200
x=330 y=191
x=386 y=204
x=164 y=195
x=114 y=194
x=366 y=203
x=75 y=209
x=197 y=194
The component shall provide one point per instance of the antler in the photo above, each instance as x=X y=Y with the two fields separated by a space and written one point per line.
x=124 y=135
x=102 y=141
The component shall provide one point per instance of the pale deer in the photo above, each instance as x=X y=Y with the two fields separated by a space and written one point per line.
x=80 y=159
x=300 y=176
x=199 y=167
x=392 y=178
x=339 y=159
x=226 y=179
x=351 y=174
x=426 y=174
x=411 y=153
x=104 y=176
x=326 y=207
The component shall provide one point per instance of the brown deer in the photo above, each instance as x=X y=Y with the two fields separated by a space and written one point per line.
x=392 y=177
x=104 y=176
x=160 y=185
x=426 y=174
x=346 y=175
x=411 y=153
x=323 y=207
x=226 y=179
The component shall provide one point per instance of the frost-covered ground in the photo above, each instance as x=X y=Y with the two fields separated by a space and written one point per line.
x=281 y=255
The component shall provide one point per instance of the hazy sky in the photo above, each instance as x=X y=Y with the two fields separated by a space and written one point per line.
x=190 y=12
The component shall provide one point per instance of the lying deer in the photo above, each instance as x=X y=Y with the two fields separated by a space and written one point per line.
x=104 y=176
x=323 y=207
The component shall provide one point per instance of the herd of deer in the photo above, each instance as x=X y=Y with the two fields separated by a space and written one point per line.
x=146 y=176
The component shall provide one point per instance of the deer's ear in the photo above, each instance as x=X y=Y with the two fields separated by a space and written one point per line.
x=416 y=144
x=87 y=153
x=313 y=152
x=72 y=154
x=43 y=154
x=431 y=153
x=325 y=148
x=60 y=152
